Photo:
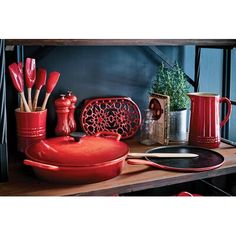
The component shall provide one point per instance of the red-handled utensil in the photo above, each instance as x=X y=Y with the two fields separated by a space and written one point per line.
x=39 y=83
x=20 y=66
x=51 y=83
x=18 y=82
x=30 y=76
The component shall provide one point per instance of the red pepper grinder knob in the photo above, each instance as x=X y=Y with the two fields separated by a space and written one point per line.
x=71 y=119
x=62 y=105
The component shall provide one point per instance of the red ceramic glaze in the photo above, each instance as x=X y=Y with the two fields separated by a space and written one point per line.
x=77 y=175
x=52 y=81
x=31 y=127
x=30 y=72
x=62 y=105
x=17 y=77
x=89 y=150
x=40 y=78
x=188 y=194
x=115 y=114
x=205 y=121
x=20 y=66
x=71 y=119
x=92 y=159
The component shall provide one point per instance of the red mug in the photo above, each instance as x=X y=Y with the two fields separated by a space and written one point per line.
x=205 y=121
x=30 y=126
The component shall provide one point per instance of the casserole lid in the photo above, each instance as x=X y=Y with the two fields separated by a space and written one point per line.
x=78 y=151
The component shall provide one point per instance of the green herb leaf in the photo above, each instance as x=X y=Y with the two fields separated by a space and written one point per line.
x=172 y=82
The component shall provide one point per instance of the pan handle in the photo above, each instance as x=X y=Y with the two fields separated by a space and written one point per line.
x=40 y=165
x=143 y=162
x=108 y=134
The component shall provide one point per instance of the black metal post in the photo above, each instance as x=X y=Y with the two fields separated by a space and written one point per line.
x=20 y=58
x=226 y=88
x=20 y=54
x=3 y=117
x=197 y=68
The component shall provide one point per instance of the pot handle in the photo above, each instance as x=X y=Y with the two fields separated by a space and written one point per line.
x=40 y=165
x=223 y=122
x=143 y=162
x=108 y=134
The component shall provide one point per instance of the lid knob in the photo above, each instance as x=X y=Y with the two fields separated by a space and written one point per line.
x=77 y=135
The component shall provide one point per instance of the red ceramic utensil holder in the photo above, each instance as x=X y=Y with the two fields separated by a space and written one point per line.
x=31 y=127
x=205 y=121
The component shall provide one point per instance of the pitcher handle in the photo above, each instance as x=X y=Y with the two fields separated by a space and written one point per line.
x=229 y=109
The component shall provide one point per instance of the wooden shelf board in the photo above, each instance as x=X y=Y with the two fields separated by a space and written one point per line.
x=133 y=178
x=123 y=42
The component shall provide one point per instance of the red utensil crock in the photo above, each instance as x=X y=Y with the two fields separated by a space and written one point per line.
x=31 y=127
x=205 y=121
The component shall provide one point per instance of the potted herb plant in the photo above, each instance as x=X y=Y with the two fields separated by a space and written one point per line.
x=173 y=82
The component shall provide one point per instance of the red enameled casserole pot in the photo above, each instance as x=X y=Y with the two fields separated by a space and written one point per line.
x=85 y=159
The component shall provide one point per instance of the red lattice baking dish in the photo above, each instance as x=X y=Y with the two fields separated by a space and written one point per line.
x=115 y=114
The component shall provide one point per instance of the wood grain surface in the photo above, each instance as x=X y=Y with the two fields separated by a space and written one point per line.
x=133 y=178
x=125 y=42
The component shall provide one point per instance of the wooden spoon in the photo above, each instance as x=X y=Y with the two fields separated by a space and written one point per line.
x=39 y=83
x=164 y=155
x=51 y=83
x=18 y=82
x=30 y=76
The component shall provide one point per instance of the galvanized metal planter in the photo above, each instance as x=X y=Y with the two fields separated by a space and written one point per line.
x=178 y=126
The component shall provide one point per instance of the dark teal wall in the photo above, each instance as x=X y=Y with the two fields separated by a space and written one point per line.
x=102 y=71
x=211 y=70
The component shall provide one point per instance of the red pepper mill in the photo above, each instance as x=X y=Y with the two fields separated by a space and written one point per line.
x=62 y=105
x=71 y=119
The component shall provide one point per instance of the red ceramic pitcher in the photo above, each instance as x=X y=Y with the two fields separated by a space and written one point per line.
x=205 y=121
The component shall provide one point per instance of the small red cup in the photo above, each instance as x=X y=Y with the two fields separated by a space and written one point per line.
x=30 y=126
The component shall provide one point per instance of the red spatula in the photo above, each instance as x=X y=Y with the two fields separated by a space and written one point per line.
x=30 y=76
x=39 y=83
x=18 y=82
x=20 y=66
x=51 y=83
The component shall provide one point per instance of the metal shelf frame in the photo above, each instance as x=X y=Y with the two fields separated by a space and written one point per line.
x=3 y=117
x=226 y=45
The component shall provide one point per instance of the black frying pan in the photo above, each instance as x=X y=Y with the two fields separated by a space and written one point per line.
x=206 y=160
